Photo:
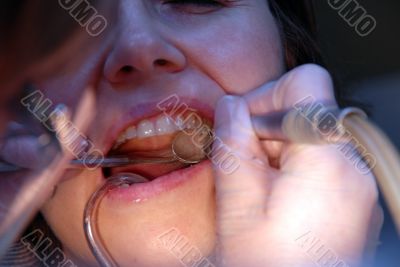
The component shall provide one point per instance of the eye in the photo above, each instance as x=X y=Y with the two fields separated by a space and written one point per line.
x=195 y=6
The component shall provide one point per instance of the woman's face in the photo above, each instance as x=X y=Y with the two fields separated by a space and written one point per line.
x=196 y=50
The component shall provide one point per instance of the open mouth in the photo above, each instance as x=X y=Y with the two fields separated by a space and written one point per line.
x=153 y=138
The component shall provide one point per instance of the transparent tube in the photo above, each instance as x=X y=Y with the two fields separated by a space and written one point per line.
x=387 y=167
x=98 y=248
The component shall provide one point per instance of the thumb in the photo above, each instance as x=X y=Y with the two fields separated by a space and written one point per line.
x=241 y=194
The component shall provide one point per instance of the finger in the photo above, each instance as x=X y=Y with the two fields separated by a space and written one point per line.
x=307 y=84
x=294 y=86
x=375 y=228
x=245 y=190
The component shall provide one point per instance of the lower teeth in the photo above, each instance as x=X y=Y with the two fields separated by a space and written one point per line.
x=124 y=185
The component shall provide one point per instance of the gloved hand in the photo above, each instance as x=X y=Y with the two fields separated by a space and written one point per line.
x=290 y=204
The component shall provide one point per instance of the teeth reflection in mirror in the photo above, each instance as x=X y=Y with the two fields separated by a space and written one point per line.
x=165 y=125
x=145 y=129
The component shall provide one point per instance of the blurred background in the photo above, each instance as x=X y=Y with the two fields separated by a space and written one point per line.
x=367 y=70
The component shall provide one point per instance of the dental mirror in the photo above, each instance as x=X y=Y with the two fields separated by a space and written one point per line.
x=187 y=149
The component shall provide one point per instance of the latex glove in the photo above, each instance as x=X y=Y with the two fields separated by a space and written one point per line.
x=290 y=204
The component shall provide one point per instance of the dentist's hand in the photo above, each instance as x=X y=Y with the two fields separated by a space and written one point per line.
x=290 y=204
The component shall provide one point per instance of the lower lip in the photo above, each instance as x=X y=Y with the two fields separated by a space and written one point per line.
x=141 y=192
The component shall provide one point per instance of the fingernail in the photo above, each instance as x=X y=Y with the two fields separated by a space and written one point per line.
x=226 y=107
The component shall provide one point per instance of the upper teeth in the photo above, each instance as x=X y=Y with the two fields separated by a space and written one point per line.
x=162 y=125
x=144 y=129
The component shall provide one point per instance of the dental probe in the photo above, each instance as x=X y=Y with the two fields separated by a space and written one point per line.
x=179 y=148
x=180 y=154
x=109 y=162
x=117 y=161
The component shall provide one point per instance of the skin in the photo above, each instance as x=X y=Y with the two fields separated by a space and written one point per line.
x=224 y=51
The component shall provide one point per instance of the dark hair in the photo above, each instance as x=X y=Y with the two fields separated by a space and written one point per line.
x=296 y=21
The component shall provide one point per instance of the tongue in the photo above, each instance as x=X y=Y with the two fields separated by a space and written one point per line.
x=149 y=171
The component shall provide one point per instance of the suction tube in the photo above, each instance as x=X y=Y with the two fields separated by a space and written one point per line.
x=90 y=223
x=387 y=168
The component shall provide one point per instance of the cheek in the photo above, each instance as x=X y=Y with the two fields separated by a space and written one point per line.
x=249 y=62
x=243 y=53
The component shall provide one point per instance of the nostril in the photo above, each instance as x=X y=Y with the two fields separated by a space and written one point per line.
x=127 y=69
x=160 y=62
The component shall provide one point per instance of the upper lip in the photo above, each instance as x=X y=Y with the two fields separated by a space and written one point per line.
x=146 y=110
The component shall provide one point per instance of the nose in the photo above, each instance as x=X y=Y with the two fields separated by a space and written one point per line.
x=140 y=47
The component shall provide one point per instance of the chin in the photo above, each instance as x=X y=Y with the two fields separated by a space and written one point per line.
x=161 y=230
